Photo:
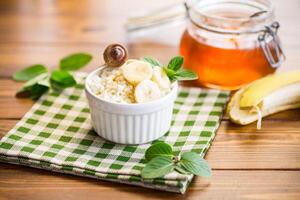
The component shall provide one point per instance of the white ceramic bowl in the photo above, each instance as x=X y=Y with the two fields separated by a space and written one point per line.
x=130 y=123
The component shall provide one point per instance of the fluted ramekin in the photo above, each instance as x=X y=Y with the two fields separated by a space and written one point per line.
x=130 y=123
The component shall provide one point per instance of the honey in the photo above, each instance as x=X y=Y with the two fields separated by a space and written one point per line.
x=226 y=68
x=230 y=43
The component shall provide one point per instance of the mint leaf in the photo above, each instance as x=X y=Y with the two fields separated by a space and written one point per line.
x=181 y=170
x=193 y=163
x=183 y=74
x=158 y=167
x=38 y=81
x=173 y=70
x=175 y=63
x=61 y=79
x=170 y=73
x=152 y=61
x=29 y=72
x=38 y=90
x=34 y=88
x=34 y=92
x=158 y=149
x=75 y=61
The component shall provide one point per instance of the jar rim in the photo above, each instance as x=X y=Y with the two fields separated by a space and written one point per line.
x=220 y=23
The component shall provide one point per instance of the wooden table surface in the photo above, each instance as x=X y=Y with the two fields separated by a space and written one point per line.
x=247 y=164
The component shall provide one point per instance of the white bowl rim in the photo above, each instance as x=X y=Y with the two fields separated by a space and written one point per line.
x=133 y=105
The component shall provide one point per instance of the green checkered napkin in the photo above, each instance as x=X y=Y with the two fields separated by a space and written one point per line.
x=56 y=134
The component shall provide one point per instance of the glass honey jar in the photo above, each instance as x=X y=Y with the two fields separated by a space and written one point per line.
x=230 y=43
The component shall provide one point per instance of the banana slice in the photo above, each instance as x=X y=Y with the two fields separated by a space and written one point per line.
x=128 y=61
x=161 y=78
x=136 y=71
x=146 y=91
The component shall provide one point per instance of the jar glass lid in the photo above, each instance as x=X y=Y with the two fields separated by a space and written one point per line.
x=231 y=16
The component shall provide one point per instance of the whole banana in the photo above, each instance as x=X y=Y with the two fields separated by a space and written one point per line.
x=271 y=94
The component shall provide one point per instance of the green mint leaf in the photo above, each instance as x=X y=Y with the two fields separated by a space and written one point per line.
x=158 y=149
x=181 y=170
x=75 y=61
x=29 y=72
x=38 y=90
x=152 y=61
x=61 y=79
x=175 y=63
x=183 y=74
x=34 y=92
x=35 y=87
x=193 y=163
x=170 y=73
x=158 y=167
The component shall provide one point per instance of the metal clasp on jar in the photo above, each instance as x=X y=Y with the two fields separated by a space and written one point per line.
x=276 y=56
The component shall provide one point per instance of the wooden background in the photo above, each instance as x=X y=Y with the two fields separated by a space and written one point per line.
x=247 y=164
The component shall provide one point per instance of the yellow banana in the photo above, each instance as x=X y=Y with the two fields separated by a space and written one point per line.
x=265 y=96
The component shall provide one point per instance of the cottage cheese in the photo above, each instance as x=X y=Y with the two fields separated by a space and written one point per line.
x=112 y=86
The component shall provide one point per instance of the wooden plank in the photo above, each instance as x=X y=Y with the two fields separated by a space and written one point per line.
x=6 y=125
x=25 y=183
x=10 y=106
x=273 y=147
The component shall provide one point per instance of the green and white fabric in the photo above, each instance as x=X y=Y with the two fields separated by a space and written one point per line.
x=56 y=134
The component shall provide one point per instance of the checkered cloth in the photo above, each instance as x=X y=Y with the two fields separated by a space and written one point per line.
x=56 y=134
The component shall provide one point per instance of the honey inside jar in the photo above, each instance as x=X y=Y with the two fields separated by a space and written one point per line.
x=222 y=44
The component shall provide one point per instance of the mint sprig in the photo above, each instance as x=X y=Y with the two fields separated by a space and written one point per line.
x=162 y=160
x=174 y=69
x=40 y=81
